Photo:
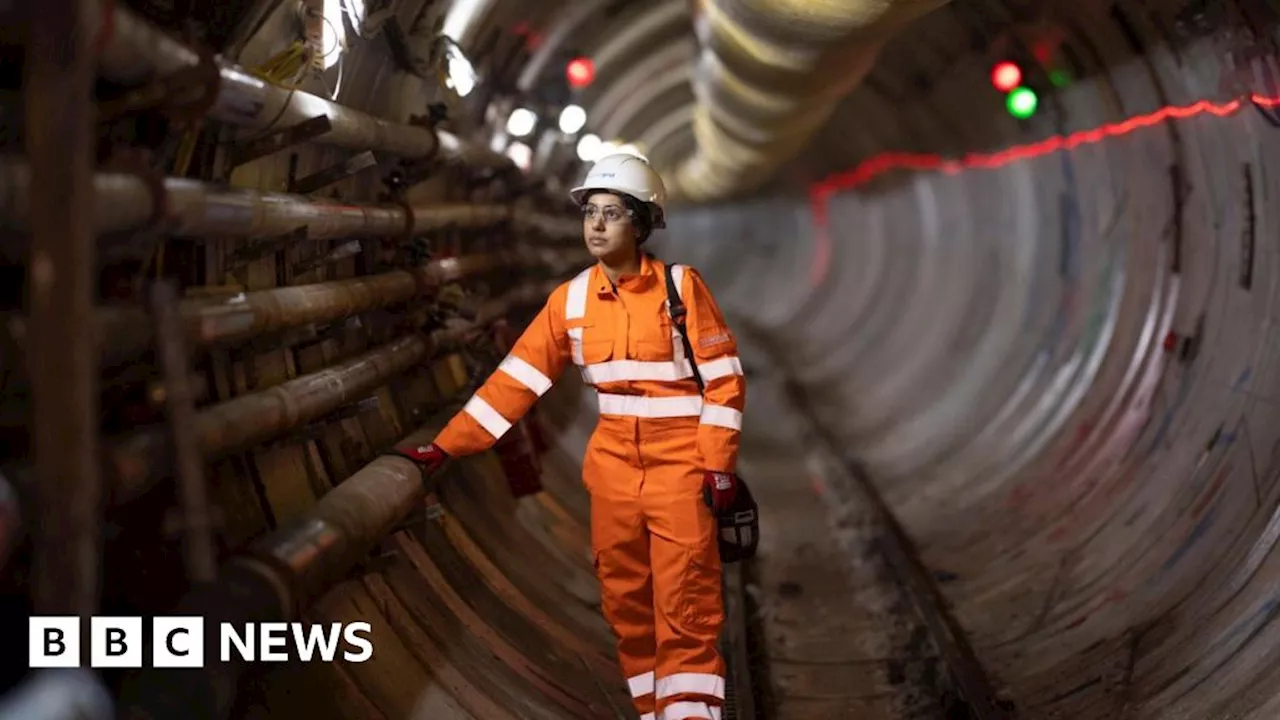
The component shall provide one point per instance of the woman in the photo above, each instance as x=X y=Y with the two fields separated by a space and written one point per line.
x=660 y=465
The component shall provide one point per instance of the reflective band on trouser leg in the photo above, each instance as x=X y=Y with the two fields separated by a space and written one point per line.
x=491 y=420
x=694 y=683
x=651 y=407
x=721 y=416
x=684 y=710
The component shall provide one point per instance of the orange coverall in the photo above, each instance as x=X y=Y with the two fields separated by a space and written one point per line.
x=653 y=538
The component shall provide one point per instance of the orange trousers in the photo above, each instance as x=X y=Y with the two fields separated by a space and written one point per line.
x=654 y=544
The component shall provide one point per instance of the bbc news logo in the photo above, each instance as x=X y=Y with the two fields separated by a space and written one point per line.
x=179 y=642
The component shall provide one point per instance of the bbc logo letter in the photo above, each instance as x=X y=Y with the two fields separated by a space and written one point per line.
x=114 y=642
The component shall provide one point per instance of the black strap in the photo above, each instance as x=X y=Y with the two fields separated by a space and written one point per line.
x=675 y=306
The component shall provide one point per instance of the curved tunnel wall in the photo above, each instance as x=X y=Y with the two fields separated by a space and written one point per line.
x=1060 y=373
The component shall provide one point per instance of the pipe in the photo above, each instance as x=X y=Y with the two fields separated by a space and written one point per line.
x=135 y=463
x=198 y=546
x=10 y=521
x=193 y=208
x=770 y=75
x=62 y=285
x=59 y=694
x=277 y=577
x=136 y=52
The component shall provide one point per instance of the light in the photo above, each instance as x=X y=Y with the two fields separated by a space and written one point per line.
x=572 y=119
x=520 y=154
x=332 y=33
x=1022 y=103
x=522 y=122
x=589 y=147
x=355 y=12
x=1006 y=76
x=631 y=149
x=462 y=76
x=581 y=71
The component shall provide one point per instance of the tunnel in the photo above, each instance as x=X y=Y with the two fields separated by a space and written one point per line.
x=1013 y=455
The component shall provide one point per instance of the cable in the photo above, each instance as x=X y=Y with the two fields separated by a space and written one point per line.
x=864 y=172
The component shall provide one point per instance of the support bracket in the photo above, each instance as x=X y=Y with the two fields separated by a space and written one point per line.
x=341 y=171
x=277 y=140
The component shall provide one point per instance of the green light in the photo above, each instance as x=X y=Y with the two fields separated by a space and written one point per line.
x=1022 y=103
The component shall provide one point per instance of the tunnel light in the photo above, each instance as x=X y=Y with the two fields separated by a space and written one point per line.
x=572 y=119
x=1022 y=103
x=521 y=122
x=462 y=76
x=589 y=147
x=332 y=33
x=580 y=71
x=1006 y=76
x=520 y=154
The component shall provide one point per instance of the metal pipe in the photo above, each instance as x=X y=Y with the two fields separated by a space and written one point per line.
x=61 y=285
x=193 y=208
x=198 y=547
x=137 y=462
x=10 y=521
x=277 y=577
x=136 y=52
x=60 y=694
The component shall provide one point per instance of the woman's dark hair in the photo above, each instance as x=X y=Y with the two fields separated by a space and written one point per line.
x=641 y=214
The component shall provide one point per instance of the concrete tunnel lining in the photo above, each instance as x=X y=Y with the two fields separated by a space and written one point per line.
x=1097 y=507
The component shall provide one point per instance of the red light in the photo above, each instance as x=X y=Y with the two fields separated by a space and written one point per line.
x=581 y=72
x=1006 y=76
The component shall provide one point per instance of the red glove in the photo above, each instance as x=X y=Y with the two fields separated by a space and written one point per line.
x=719 y=491
x=428 y=457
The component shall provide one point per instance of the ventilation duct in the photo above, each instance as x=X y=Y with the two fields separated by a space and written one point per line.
x=770 y=74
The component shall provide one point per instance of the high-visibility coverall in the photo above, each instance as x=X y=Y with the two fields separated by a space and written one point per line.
x=653 y=537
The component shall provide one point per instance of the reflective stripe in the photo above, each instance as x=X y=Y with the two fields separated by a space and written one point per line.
x=641 y=685
x=651 y=407
x=490 y=419
x=619 y=370
x=526 y=374
x=677 y=275
x=575 y=304
x=696 y=683
x=721 y=416
x=717 y=369
x=686 y=710
x=648 y=716
x=575 y=345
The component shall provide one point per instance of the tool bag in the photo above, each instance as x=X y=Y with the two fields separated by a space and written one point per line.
x=740 y=527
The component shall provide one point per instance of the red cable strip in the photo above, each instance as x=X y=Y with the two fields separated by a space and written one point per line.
x=866 y=171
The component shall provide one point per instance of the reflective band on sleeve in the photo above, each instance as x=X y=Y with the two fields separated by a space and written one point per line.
x=677 y=275
x=648 y=716
x=575 y=345
x=526 y=374
x=685 y=710
x=641 y=684
x=693 y=683
x=575 y=304
x=722 y=416
x=651 y=407
x=716 y=369
x=490 y=419
x=634 y=370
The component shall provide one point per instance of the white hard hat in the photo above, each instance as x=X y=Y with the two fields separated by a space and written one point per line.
x=630 y=175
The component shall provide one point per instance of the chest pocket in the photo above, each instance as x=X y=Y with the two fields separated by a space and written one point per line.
x=591 y=343
x=652 y=335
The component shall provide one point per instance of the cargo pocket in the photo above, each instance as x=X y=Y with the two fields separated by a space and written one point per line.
x=701 y=603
